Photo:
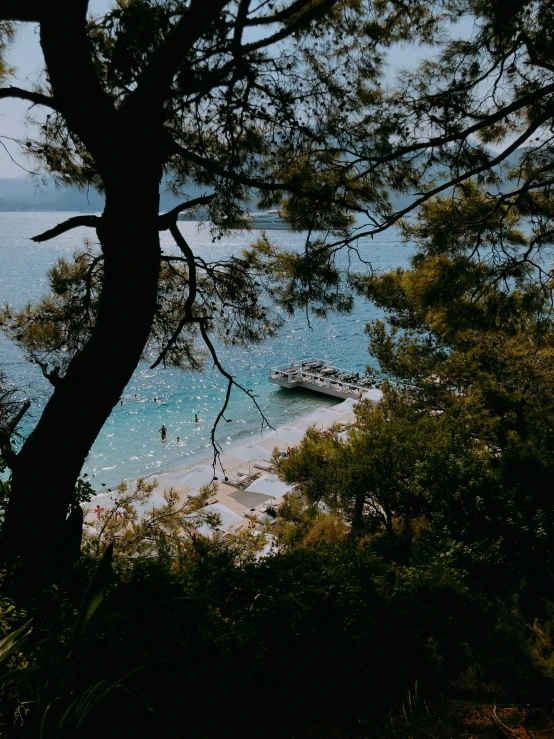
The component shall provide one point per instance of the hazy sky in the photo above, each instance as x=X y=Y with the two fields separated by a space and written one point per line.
x=26 y=57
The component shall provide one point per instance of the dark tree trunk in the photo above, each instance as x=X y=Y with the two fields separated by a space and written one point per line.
x=51 y=459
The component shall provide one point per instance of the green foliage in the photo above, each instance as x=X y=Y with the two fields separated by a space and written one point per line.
x=7 y=33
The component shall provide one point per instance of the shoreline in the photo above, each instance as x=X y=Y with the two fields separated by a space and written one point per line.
x=235 y=500
x=230 y=496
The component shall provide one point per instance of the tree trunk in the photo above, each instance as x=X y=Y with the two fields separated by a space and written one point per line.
x=51 y=458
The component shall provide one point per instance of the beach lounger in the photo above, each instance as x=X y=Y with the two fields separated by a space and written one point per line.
x=237 y=482
x=264 y=465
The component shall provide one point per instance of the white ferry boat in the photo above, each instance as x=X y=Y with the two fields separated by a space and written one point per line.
x=268 y=220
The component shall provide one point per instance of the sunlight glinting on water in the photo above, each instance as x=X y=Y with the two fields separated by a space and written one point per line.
x=129 y=445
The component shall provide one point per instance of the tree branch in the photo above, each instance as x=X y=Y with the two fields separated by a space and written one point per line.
x=88 y=108
x=37 y=98
x=154 y=82
x=8 y=453
x=451 y=183
x=217 y=169
x=316 y=11
x=167 y=220
x=526 y=100
x=188 y=318
x=230 y=382
x=53 y=377
x=280 y=16
x=191 y=297
x=76 y=222
x=22 y=10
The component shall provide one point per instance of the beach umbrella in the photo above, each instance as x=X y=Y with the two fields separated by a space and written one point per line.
x=196 y=477
x=323 y=415
x=229 y=519
x=107 y=501
x=288 y=434
x=269 y=485
x=347 y=406
x=249 y=452
x=374 y=395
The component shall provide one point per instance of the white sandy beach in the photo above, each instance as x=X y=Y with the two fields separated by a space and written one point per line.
x=231 y=499
x=238 y=500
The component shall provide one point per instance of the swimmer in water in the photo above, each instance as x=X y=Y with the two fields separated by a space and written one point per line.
x=195 y=418
x=178 y=438
x=163 y=431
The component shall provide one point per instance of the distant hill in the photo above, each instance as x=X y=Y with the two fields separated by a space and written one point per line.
x=25 y=195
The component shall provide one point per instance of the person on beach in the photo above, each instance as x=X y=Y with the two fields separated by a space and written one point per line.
x=163 y=431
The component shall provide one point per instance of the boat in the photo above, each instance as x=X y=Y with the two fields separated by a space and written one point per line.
x=268 y=220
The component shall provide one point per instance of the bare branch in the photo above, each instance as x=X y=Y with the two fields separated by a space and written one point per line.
x=167 y=220
x=16 y=420
x=8 y=152
x=36 y=98
x=76 y=222
x=231 y=381
x=8 y=453
x=191 y=297
x=53 y=377
x=189 y=318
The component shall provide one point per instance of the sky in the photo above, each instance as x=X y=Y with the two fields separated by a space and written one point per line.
x=26 y=57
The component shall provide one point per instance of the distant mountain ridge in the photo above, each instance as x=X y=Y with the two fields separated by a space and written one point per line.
x=18 y=193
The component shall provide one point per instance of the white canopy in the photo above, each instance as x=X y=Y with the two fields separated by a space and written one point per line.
x=229 y=519
x=374 y=395
x=269 y=485
x=343 y=436
x=108 y=500
x=197 y=477
x=323 y=415
x=347 y=406
x=288 y=434
x=249 y=452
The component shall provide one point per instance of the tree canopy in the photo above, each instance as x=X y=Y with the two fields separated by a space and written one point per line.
x=286 y=103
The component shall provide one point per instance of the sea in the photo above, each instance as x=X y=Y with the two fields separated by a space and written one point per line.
x=130 y=445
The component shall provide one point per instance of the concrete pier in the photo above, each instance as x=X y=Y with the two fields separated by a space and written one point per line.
x=322 y=377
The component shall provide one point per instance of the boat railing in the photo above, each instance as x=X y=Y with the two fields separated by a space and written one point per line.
x=325 y=375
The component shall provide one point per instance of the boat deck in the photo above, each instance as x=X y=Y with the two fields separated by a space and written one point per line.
x=322 y=377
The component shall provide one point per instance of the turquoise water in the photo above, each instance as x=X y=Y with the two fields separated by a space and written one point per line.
x=129 y=445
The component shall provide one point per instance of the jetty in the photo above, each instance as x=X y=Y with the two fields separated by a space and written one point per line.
x=324 y=377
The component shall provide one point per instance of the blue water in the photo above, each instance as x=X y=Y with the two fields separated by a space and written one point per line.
x=129 y=445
